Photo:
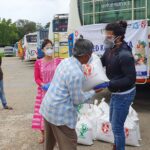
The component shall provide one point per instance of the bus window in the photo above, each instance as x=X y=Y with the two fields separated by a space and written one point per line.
x=31 y=38
x=60 y=25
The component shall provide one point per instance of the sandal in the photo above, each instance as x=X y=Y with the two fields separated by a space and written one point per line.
x=41 y=141
x=8 y=108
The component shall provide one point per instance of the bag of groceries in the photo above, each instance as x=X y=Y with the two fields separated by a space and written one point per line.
x=84 y=131
x=104 y=130
x=134 y=116
x=94 y=73
x=131 y=133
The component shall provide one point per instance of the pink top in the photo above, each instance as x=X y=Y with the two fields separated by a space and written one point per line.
x=44 y=71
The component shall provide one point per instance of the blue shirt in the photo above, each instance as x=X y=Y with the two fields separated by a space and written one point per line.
x=40 y=53
x=59 y=105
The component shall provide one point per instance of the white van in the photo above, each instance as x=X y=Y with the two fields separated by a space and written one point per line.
x=8 y=51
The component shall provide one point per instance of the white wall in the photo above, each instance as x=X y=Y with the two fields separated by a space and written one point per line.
x=74 y=20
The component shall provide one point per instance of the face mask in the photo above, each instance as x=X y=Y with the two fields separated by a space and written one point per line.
x=109 y=43
x=49 y=52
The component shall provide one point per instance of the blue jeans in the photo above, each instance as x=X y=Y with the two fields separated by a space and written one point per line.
x=2 y=94
x=119 y=108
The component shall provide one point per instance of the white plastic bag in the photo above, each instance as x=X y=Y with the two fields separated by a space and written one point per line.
x=94 y=73
x=84 y=131
x=92 y=113
x=133 y=114
x=104 y=130
x=104 y=107
x=93 y=120
x=84 y=109
x=134 y=117
x=131 y=133
x=103 y=110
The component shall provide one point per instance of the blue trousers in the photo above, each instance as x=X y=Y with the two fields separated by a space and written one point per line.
x=119 y=108
x=2 y=94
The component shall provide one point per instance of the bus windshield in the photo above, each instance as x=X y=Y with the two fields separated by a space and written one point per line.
x=43 y=34
x=60 y=25
x=31 y=38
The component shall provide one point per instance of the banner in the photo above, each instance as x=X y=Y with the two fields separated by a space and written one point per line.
x=136 y=37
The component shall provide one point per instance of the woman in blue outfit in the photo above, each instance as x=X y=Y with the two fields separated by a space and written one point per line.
x=120 y=69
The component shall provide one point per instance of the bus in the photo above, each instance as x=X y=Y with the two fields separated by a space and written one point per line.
x=42 y=34
x=30 y=46
x=58 y=34
x=89 y=18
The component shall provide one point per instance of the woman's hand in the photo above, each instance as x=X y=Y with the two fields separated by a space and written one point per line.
x=98 y=90
x=102 y=86
x=45 y=86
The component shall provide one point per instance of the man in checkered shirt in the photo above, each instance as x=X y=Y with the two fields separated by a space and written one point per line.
x=59 y=107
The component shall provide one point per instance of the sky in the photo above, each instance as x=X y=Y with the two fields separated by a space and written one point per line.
x=39 y=11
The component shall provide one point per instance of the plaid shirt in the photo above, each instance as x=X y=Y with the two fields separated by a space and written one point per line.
x=59 y=105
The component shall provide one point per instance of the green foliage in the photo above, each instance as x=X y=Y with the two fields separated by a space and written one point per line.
x=1 y=54
x=24 y=27
x=47 y=25
x=8 y=32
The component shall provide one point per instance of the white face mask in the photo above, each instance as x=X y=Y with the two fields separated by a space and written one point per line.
x=110 y=43
x=49 y=52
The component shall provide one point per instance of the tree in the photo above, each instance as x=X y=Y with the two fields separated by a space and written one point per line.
x=25 y=27
x=47 y=25
x=39 y=26
x=8 y=32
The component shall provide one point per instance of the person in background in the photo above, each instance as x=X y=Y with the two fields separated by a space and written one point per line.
x=120 y=69
x=43 y=73
x=59 y=107
x=40 y=53
x=2 y=94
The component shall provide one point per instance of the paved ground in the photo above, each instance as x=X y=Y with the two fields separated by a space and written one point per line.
x=15 y=126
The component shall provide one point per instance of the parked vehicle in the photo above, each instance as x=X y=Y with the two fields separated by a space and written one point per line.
x=42 y=34
x=30 y=46
x=88 y=18
x=58 y=34
x=8 y=51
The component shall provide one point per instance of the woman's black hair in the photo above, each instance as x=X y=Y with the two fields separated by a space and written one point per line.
x=45 y=42
x=118 y=28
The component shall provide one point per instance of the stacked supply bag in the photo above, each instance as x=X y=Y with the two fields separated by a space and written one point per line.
x=104 y=130
x=132 y=128
x=93 y=119
x=93 y=124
